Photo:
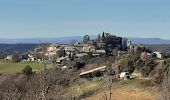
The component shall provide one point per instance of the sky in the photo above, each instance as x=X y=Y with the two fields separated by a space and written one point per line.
x=60 y=18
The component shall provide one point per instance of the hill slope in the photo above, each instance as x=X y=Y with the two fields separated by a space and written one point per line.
x=17 y=47
x=149 y=41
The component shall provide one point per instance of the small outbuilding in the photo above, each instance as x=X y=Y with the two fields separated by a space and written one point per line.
x=159 y=55
x=93 y=72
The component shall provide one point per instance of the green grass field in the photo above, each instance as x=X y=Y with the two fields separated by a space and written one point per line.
x=9 y=66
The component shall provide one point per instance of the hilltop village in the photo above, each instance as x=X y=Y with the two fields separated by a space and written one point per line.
x=94 y=69
x=65 y=54
x=77 y=55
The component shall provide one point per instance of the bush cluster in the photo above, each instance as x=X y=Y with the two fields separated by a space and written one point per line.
x=27 y=70
x=133 y=62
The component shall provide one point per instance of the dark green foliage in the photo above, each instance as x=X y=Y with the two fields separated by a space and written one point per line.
x=103 y=36
x=135 y=57
x=139 y=50
x=148 y=67
x=2 y=55
x=17 y=47
x=87 y=59
x=145 y=67
x=61 y=53
x=99 y=38
x=27 y=70
x=167 y=55
x=86 y=39
x=113 y=41
x=154 y=55
x=79 y=65
x=138 y=64
x=166 y=65
x=128 y=64
x=132 y=62
x=108 y=50
x=81 y=62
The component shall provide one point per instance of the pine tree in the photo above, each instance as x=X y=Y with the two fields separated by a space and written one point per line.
x=99 y=38
x=103 y=36
x=86 y=38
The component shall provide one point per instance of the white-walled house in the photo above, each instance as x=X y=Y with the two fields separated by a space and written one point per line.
x=28 y=57
x=31 y=57
x=9 y=57
x=159 y=55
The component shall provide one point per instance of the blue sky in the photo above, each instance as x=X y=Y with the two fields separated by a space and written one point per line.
x=58 y=18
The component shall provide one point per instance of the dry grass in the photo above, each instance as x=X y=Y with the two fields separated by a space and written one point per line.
x=121 y=90
x=125 y=93
x=85 y=89
x=127 y=90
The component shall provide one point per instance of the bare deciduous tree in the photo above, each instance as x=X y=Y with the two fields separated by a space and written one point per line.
x=165 y=94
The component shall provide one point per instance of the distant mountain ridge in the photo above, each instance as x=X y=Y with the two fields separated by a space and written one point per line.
x=17 y=47
x=67 y=40
x=149 y=41
x=64 y=40
x=24 y=45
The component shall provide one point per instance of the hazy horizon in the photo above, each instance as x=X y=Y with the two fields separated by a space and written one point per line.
x=77 y=36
